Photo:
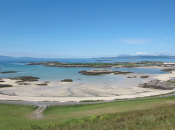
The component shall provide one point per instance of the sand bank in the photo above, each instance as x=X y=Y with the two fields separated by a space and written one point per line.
x=75 y=91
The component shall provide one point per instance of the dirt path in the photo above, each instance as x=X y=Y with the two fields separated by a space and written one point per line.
x=37 y=114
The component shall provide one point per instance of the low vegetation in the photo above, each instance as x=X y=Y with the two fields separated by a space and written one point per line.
x=91 y=100
x=154 y=113
x=170 y=81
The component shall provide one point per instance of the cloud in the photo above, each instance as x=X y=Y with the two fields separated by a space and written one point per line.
x=141 y=53
x=135 y=41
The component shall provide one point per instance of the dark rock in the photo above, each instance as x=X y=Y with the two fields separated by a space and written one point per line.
x=104 y=60
x=24 y=84
x=122 y=72
x=25 y=78
x=19 y=81
x=1 y=80
x=36 y=63
x=46 y=82
x=157 y=84
x=168 y=69
x=5 y=72
x=42 y=84
x=67 y=80
x=102 y=72
x=96 y=72
x=131 y=76
x=144 y=76
x=5 y=85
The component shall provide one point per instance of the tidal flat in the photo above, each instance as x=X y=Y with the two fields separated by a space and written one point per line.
x=110 y=86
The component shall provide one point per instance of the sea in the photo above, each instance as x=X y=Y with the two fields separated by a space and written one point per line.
x=60 y=73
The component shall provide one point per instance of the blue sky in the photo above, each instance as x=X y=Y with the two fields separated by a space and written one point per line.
x=86 y=28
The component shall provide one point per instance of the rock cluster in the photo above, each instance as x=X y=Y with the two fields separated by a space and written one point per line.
x=157 y=84
x=168 y=69
x=60 y=64
x=24 y=84
x=42 y=84
x=5 y=85
x=144 y=76
x=25 y=78
x=1 y=80
x=67 y=80
x=102 y=72
x=5 y=72
x=132 y=77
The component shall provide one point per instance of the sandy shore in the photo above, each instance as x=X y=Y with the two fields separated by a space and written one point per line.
x=74 y=91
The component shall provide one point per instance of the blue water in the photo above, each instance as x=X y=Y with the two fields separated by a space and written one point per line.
x=59 y=73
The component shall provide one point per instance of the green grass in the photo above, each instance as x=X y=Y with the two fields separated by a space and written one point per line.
x=130 y=65
x=91 y=64
x=170 y=81
x=17 y=116
x=91 y=100
x=14 y=115
x=159 y=118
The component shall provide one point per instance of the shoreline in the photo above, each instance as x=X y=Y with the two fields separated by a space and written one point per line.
x=77 y=92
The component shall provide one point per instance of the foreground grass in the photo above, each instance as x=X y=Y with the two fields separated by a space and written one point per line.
x=76 y=116
x=160 y=118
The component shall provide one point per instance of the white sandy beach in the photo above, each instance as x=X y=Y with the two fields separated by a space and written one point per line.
x=74 y=91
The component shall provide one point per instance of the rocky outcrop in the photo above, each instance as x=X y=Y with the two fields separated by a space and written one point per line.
x=25 y=78
x=42 y=84
x=60 y=64
x=104 y=60
x=144 y=76
x=67 y=80
x=157 y=84
x=5 y=85
x=168 y=69
x=122 y=72
x=5 y=72
x=37 y=63
x=132 y=77
x=1 y=80
x=24 y=84
x=102 y=72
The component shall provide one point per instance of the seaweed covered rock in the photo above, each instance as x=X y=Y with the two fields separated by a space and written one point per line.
x=102 y=72
x=25 y=78
x=144 y=76
x=5 y=85
x=42 y=84
x=168 y=69
x=1 y=80
x=132 y=77
x=67 y=80
x=5 y=72
x=96 y=72
x=157 y=84
x=24 y=84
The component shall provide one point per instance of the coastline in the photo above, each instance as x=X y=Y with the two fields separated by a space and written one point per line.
x=73 y=91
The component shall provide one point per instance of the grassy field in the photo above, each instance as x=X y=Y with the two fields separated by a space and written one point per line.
x=15 y=117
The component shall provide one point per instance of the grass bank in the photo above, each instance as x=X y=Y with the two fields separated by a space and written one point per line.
x=78 y=116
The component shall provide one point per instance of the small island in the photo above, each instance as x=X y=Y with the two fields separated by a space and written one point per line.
x=102 y=72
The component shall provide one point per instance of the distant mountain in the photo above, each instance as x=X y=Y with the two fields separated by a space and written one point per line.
x=143 y=57
x=25 y=57
x=6 y=57
x=10 y=57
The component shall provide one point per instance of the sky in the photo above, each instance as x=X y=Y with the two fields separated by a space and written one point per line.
x=86 y=28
